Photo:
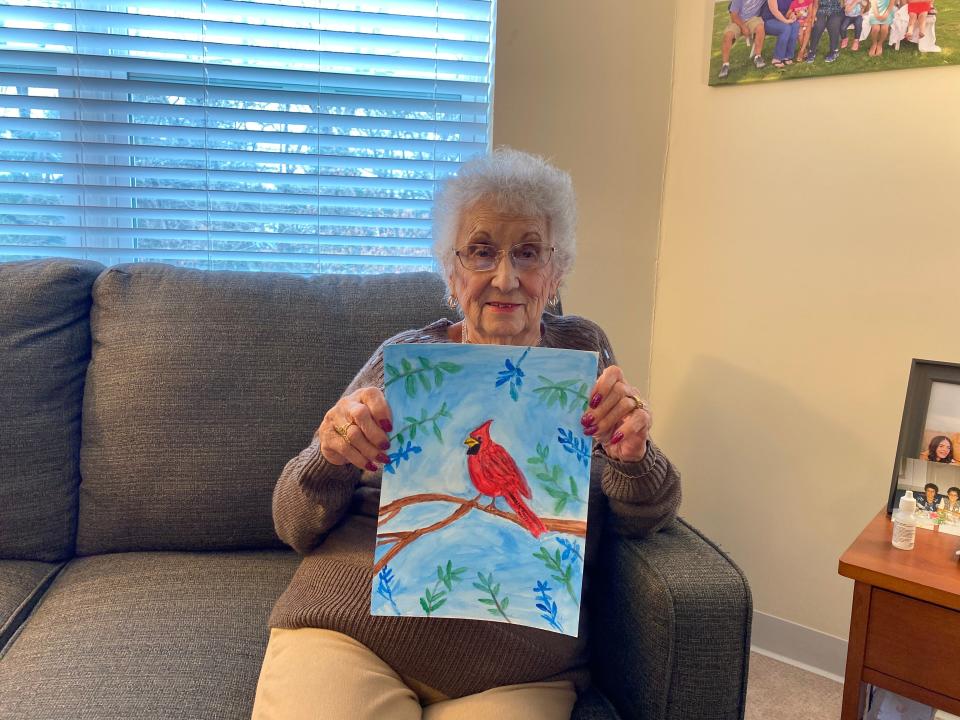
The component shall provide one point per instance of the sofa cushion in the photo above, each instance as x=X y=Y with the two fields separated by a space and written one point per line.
x=203 y=384
x=44 y=349
x=152 y=636
x=22 y=582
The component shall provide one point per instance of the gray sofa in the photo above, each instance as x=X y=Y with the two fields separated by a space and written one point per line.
x=145 y=414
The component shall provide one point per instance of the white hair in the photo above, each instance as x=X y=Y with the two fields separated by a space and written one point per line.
x=516 y=183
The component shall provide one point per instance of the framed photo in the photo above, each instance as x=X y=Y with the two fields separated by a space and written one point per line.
x=928 y=451
x=763 y=41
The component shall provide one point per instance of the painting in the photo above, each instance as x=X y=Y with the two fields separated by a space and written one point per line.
x=483 y=506
x=760 y=41
x=928 y=452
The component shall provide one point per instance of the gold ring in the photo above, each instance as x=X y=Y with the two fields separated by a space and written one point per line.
x=342 y=429
x=637 y=402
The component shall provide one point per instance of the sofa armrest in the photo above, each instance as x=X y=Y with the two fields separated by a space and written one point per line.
x=672 y=628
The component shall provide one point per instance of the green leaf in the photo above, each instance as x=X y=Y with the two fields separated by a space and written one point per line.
x=407 y=367
x=541 y=390
x=436 y=431
x=448 y=583
x=424 y=362
x=427 y=594
x=443 y=408
x=559 y=579
x=400 y=438
x=486 y=601
x=424 y=605
x=438 y=377
x=567 y=383
x=552 y=400
x=556 y=557
x=535 y=460
x=493 y=611
x=555 y=493
x=546 y=380
x=438 y=605
x=573 y=486
x=505 y=604
x=561 y=504
x=439 y=574
x=496 y=589
x=583 y=389
x=544 y=477
x=392 y=371
x=411 y=386
x=413 y=432
x=563 y=399
x=458 y=572
x=424 y=381
x=556 y=473
x=450 y=367
x=449 y=565
x=410 y=420
x=478 y=586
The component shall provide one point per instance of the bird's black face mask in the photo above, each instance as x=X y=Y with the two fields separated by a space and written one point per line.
x=474 y=449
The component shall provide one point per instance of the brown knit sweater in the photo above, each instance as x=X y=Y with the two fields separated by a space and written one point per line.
x=329 y=513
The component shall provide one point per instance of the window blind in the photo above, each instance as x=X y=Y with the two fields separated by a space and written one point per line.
x=295 y=135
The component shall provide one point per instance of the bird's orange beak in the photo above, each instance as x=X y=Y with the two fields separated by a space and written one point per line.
x=471 y=442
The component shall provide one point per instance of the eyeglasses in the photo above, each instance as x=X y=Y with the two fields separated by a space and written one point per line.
x=482 y=257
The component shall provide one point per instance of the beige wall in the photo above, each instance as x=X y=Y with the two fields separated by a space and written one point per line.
x=806 y=256
x=573 y=84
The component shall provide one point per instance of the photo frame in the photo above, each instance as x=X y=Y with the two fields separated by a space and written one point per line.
x=928 y=449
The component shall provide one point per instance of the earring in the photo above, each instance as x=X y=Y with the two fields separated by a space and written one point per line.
x=452 y=302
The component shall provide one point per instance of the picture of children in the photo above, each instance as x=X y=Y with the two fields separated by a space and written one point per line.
x=917 y=18
x=802 y=11
x=881 y=18
x=853 y=18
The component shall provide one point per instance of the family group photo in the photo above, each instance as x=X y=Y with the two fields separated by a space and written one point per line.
x=764 y=40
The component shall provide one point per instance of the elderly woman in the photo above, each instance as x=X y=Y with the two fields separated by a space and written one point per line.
x=504 y=238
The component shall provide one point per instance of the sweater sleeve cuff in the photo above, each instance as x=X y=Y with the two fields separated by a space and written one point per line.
x=635 y=482
x=321 y=477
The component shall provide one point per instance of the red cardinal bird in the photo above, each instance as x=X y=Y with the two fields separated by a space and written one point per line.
x=494 y=473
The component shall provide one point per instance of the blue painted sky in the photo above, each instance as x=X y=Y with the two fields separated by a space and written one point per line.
x=479 y=542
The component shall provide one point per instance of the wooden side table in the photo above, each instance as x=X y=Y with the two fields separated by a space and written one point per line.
x=905 y=624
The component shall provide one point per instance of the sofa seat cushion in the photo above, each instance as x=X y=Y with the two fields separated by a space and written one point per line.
x=151 y=636
x=202 y=385
x=44 y=350
x=22 y=582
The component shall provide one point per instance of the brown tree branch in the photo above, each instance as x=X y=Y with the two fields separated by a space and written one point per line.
x=404 y=537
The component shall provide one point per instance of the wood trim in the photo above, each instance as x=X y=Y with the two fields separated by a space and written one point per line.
x=908 y=690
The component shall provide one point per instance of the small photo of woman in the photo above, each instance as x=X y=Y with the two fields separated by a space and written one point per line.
x=940 y=450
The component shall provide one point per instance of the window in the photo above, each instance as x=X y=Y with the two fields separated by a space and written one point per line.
x=296 y=135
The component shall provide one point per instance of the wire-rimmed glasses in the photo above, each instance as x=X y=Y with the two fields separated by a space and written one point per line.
x=483 y=257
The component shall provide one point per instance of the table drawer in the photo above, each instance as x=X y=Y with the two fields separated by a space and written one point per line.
x=915 y=641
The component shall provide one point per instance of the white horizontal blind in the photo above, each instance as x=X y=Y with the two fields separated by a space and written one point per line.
x=297 y=135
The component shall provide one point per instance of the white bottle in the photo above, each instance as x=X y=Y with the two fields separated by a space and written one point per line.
x=905 y=523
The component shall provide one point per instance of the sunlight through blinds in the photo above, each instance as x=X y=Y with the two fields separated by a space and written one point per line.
x=301 y=135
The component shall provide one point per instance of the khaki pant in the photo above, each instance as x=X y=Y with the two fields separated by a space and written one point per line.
x=311 y=674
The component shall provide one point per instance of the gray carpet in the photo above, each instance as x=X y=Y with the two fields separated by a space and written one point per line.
x=777 y=691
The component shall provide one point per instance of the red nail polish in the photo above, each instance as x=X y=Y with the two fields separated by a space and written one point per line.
x=383 y=458
x=595 y=400
x=591 y=430
x=587 y=420
x=384 y=446
x=386 y=425
x=371 y=467
x=617 y=437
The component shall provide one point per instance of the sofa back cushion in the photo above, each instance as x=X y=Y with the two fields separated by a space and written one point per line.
x=203 y=384
x=44 y=350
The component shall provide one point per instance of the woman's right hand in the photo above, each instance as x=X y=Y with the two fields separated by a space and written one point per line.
x=355 y=430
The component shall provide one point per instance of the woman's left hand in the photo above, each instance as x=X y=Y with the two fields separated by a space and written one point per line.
x=617 y=417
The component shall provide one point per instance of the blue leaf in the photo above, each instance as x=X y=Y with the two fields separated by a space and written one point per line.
x=509 y=364
x=502 y=380
x=544 y=608
x=514 y=395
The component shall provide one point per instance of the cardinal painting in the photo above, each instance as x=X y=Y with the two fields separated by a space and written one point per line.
x=483 y=505
x=494 y=473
